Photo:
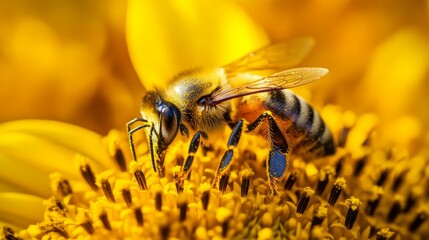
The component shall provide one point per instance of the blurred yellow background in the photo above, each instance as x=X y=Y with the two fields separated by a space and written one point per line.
x=67 y=61
x=71 y=60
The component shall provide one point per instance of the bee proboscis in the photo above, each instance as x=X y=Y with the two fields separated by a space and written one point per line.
x=201 y=100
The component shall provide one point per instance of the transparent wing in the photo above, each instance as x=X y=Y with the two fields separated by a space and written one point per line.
x=272 y=58
x=281 y=80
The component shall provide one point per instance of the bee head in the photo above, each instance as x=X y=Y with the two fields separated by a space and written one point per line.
x=165 y=117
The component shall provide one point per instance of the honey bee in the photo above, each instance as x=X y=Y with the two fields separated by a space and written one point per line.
x=251 y=94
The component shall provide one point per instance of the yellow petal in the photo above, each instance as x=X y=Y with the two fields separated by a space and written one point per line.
x=166 y=37
x=72 y=137
x=17 y=209
x=23 y=176
x=7 y=187
x=31 y=149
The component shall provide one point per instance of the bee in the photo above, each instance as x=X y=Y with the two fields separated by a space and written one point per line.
x=250 y=94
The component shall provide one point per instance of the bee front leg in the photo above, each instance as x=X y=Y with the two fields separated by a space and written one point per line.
x=277 y=160
x=186 y=167
x=183 y=130
x=227 y=158
x=131 y=140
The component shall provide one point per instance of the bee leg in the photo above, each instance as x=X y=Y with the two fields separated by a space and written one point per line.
x=131 y=141
x=227 y=158
x=183 y=130
x=228 y=119
x=276 y=167
x=193 y=147
x=277 y=159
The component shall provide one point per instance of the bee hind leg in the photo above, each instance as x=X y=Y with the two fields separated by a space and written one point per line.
x=186 y=167
x=277 y=161
x=227 y=158
x=276 y=167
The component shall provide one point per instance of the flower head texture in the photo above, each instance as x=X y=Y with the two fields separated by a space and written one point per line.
x=361 y=192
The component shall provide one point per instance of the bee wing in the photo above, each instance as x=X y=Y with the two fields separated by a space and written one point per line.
x=272 y=58
x=281 y=80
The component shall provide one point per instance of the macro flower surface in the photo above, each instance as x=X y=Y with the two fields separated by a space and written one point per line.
x=360 y=192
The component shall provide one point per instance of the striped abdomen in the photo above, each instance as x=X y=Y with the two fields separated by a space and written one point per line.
x=305 y=130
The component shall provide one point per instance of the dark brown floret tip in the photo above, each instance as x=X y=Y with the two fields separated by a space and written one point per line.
x=342 y=139
x=395 y=210
x=223 y=183
x=88 y=227
x=205 y=199
x=52 y=228
x=178 y=180
x=88 y=175
x=107 y=190
x=225 y=226
x=360 y=164
x=120 y=159
x=245 y=184
x=336 y=190
x=105 y=220
x=304 y=200
x=374 y=200
x=138 y=214
x=158 y=201
x=246 y=175
x=323 y=180
x=183 y=208
x=141 y=179
x=397 y=182
x=64 y=188
x=164 y=231
x=60 y=205
x=9 y=234
x=417 y=222
x=354 y=204
x=383 y=177
x=410 y=202
x=126 y=194
x=339 y=166
x=384 y=234
x=291 y=181
x=319 y=215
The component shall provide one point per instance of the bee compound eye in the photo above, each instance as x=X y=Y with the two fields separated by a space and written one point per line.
x=169 y=123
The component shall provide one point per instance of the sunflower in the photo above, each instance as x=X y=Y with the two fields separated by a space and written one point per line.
x=63 y=181
x=99 y=192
